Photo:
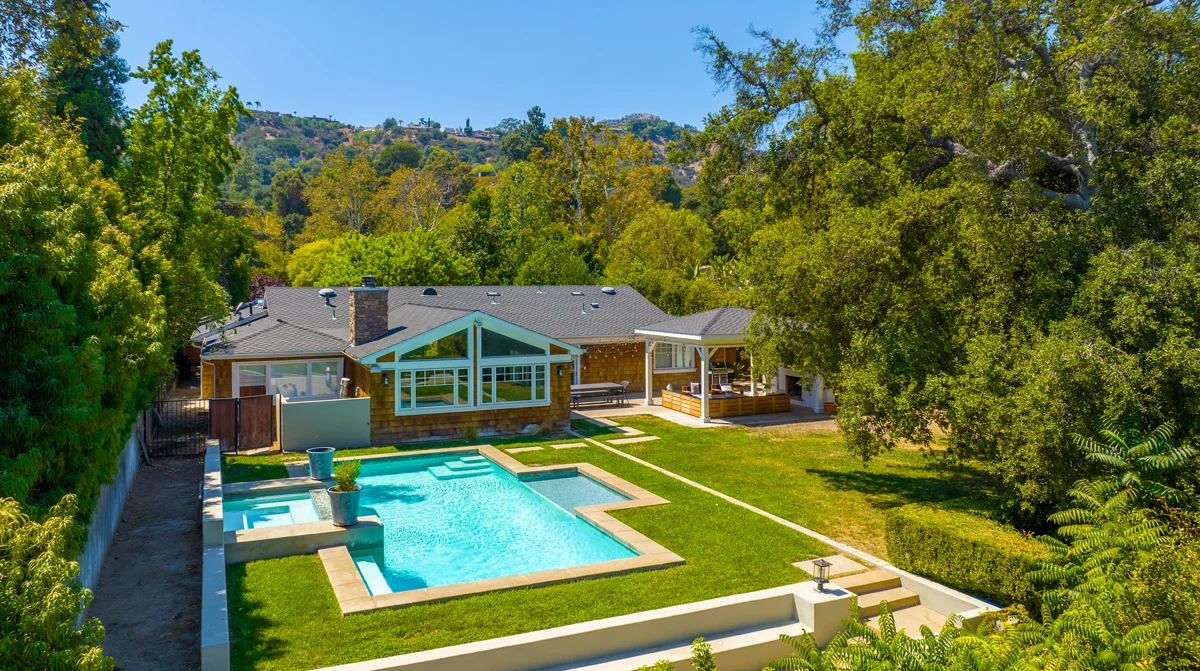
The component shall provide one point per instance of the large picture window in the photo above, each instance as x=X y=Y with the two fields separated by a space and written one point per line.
x=453 y=346
x=428 y=389
x=498 y=344
x=513 y=384
x=291 y=379
x=668 y=356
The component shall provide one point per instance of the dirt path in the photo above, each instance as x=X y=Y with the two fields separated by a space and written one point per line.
x=149 y=592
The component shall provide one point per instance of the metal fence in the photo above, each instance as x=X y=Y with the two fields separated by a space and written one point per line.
x=176 y=428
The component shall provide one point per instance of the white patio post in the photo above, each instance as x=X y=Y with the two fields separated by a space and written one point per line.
x=704 y=381
x=753 y=378
x=818 y=388
x=649 y=372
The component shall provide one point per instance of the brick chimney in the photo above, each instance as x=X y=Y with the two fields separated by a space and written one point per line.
x=368 y=311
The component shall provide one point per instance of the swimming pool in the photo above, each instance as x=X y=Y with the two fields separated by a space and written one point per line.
x=454 y=518
x=256 y=512
x=450 y=520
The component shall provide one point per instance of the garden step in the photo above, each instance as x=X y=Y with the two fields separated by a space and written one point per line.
x=897 y=598
x=871 y=581
x=443 y=473
x=910 y=620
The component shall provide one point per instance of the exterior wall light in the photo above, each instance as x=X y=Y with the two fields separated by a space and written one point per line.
x=385 y=379
x=822 y=576
x=560 y=371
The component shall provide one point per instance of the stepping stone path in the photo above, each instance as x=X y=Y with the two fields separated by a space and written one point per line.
x=565 y=446
x=636 y=439
x=841 y=565
x=515 y=450
x=629 y=430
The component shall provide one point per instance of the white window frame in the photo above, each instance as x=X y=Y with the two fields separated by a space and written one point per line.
x=497 y=362
x=474 y=365
x=237 y=368
x=683 y=358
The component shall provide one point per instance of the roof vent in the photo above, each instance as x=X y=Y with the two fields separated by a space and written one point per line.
x=539 y=290
x=429 y=291
x=369 y=281
x=576 y=293
x=493 y=295
x=595 y=306
x=328 y=295
x=609 y=290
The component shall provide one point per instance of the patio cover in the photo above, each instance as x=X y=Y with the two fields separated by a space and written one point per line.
x=706 y=331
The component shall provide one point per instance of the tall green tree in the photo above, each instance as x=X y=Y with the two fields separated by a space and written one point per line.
x=82 y=334
x=86 y=80
x=287 y=193
x=519 y=143
x=395 y=155
x=987 y=224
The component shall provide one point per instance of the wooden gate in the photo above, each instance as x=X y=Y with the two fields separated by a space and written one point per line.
x=223 y=413
x=243 y=423
x=256 y=422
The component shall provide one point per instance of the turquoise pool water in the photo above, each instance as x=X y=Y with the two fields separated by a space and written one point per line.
x=450 y=520
x=254 y=512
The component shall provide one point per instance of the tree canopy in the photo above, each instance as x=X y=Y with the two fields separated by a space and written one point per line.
x=987 y=224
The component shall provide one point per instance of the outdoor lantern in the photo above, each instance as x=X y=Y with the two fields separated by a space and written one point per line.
x=385 y=379
x=822 y=576
x=560 y=372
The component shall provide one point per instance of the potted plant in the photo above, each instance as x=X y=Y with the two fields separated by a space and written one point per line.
x=343 y=496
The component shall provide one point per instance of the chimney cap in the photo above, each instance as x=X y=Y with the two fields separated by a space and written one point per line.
x=368 y=281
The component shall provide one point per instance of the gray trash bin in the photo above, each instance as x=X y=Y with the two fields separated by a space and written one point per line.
x=320 y=463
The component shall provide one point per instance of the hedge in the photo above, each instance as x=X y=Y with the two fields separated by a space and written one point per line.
x=964 y=551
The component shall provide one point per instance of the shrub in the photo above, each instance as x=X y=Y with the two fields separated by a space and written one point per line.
x=1165 y=585
x=964 y=551
x=40 y=595
x=346 y=474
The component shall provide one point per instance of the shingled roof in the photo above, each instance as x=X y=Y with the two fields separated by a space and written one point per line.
x=728 y=321
x=570 y=313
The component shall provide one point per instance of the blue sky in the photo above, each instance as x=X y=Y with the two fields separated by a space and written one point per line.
x=362 y=62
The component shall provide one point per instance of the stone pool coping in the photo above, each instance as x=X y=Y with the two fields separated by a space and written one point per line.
x=354 y=597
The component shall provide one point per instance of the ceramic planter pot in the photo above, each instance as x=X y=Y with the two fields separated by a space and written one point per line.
x=831 y=408
x=343 y=507
x=320 y=462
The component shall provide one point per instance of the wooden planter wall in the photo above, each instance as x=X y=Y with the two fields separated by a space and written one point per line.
x=727 y=407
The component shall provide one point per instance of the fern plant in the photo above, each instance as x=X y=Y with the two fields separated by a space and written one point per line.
x=1136 y=458
x=1102 y=533
x=861 y=648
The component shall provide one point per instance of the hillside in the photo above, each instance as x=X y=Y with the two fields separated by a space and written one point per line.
x=272 y=135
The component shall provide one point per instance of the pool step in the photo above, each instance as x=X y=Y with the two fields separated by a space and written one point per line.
x=464 y=465
x=474 y=459
x=445 y=472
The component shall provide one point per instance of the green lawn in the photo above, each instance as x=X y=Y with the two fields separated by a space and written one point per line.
x=283 y=614
x=807 y=476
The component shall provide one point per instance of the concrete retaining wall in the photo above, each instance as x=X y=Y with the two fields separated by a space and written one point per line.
x=335 y=422
x=107 y=516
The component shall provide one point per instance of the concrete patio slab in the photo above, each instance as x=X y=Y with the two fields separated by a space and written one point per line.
x=567 y=446
x=842 y=565
x=636 y=439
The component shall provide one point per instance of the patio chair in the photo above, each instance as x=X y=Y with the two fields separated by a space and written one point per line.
x=624 y=392
x=726 y=389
